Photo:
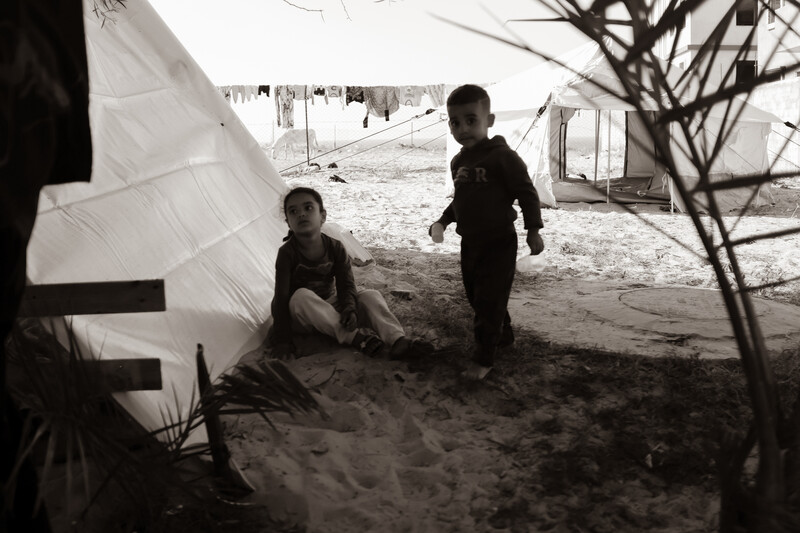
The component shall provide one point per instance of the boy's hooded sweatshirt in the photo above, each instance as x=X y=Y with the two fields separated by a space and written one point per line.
x=488 y=178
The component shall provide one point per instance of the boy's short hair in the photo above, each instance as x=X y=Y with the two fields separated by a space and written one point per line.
x=468 y=94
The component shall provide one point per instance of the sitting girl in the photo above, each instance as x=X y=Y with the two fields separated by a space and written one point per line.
x=315 y=289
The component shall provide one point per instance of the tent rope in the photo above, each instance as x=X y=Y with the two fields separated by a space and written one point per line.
x=386 y=142
x=409 y=151
x=428 y=112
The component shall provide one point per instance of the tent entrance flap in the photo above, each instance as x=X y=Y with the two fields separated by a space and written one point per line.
x=639 y=147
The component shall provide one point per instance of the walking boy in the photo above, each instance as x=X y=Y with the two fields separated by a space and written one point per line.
x=488 y=175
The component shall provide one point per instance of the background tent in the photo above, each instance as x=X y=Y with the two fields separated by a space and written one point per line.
x=179 y=191
x=533 y=108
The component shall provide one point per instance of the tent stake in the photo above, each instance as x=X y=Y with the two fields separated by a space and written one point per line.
x=608 y=172
x=596 y=142
x=305 y=102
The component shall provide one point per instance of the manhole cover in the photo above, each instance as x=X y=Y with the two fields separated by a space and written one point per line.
x=675 y=302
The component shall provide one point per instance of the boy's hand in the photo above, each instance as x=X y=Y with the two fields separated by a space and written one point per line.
x=535 y=242
x=349 y=320
x=436 y=232
x=283 y=350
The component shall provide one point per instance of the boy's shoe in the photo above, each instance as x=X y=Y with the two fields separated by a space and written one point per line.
x=506 y=337
x=407 y=348
x=367 y=342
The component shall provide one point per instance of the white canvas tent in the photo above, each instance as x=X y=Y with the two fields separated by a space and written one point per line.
x=533 y=107
x=180 y=191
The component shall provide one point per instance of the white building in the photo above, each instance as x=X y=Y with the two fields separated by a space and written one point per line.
x=696 y=29
x=778 y=45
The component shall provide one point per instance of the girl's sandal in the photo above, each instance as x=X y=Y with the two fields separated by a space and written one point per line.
x=408 y=348
x=367 y=342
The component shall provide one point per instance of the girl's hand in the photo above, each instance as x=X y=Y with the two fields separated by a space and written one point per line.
x=535 y=242
x=349 y=320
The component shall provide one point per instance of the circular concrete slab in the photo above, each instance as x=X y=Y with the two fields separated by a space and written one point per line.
x=652 y=321
x=683 y=302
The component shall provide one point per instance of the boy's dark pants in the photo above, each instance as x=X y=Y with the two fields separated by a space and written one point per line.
x=487 y=268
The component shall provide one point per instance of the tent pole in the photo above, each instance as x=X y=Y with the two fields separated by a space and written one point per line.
x=308 y=148
x=596 y=142
x=608 y=171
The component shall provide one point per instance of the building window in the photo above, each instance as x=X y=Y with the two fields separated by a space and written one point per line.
x=746 y=13
x=776 y=73
x=745 y=71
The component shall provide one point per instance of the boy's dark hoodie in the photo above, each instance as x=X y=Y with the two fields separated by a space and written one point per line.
x=487 y=178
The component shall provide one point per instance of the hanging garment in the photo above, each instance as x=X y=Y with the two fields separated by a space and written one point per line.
x=263 y=89
x=337 y=91
x=436 y=93
x=225 y=90
x=284 y=105
x=354 y=94
x=239 y=91
x=303 y=92
x=381 y=101
x=410 y=95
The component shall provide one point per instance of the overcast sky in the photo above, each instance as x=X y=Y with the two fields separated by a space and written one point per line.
x=363 y=42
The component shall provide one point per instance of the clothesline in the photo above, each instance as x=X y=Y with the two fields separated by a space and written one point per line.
x=380 y=101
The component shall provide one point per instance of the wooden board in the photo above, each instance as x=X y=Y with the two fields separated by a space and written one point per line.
x=64 y=299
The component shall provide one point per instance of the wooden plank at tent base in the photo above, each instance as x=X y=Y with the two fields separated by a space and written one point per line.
x=104 y=376
x=103 y=297
x=125 y=374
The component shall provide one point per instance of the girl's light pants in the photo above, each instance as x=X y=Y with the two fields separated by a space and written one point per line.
x=309 y=312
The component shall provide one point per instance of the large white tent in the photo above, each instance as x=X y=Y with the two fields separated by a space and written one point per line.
x=533 y=107
x=180 y=191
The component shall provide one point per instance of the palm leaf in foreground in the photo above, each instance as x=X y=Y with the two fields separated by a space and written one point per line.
x=268 y=386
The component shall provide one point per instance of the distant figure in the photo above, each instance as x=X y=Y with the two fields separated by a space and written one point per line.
x=488 y=177
x=315 y=290
x=293 y=140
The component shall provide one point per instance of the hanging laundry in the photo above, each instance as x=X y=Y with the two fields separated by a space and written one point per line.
x=225 y=91
x=263 y=89
x=336 y=91
x=354 y=94
x=381 y=101
x=302 y=92
x=284 y=105
x=410 y=95
x=437 y=94
x=250 y=91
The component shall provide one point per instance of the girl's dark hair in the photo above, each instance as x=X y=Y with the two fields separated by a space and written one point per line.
x=300 y=190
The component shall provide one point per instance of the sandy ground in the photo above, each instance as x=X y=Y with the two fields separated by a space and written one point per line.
x=416 y=447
